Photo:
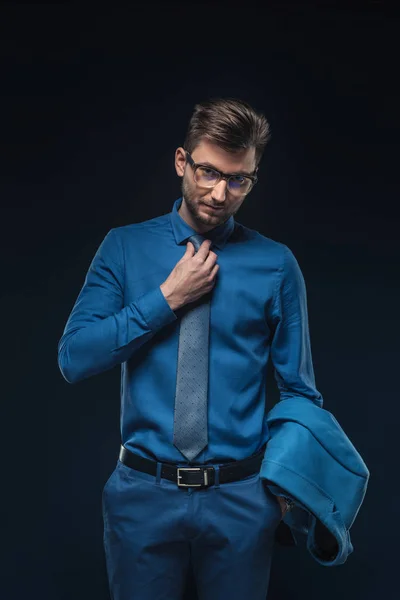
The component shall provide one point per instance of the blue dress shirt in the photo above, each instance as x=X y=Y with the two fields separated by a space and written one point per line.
x=258 y=310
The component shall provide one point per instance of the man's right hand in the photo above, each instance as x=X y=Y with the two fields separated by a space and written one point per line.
x=192 y=277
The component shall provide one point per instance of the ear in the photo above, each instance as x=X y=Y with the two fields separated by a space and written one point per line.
x=180 y=161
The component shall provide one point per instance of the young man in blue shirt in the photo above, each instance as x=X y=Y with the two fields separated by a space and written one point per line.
x=194 y=285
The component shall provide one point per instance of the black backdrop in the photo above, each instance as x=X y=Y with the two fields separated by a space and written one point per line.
x=94 y=103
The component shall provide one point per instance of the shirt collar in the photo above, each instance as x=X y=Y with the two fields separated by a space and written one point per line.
x=182 y=231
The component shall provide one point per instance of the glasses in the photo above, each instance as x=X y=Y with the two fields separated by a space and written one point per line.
x=208 y=177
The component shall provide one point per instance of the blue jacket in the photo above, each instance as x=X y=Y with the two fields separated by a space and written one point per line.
x=310 y=460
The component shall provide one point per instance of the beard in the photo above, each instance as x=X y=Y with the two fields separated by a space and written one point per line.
x=192 y=204
x=191 y=201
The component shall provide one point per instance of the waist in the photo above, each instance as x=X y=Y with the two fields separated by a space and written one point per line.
x=199 y=476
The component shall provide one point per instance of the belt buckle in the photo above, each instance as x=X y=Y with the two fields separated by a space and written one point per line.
x=190 y=484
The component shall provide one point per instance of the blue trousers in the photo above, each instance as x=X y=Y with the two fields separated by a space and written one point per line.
x=155 y=531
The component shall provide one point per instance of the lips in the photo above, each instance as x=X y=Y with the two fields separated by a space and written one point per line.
x=214 y=207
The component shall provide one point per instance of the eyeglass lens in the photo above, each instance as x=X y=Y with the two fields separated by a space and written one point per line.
x=208 y=178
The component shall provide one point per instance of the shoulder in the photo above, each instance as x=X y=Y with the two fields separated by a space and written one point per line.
x=277 y=252
x=141 y=232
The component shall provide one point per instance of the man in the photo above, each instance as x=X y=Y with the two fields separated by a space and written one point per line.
x=193 y=328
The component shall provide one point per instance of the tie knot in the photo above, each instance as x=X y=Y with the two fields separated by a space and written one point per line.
x=197 y=239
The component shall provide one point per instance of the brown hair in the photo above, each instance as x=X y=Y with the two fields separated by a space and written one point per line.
x=229 y=123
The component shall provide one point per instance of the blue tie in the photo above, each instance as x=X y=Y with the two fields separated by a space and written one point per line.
x=190 y=418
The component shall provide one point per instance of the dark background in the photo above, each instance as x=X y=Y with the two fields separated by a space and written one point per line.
x=94 y=104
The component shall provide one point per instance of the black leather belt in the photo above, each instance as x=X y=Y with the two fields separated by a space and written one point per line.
x=195 y=476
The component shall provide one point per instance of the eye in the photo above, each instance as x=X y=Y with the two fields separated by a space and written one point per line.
x=238 y=179
x=206 y=173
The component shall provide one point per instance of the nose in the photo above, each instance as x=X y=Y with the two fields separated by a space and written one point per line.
x=219 y=191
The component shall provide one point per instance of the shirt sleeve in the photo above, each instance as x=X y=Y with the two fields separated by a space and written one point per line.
x=101 y=332
x=290 y=345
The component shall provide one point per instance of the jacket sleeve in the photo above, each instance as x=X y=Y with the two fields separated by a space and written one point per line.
x=290 y=345
x=101 y=332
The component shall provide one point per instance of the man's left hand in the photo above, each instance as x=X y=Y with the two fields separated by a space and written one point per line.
x=283 y=505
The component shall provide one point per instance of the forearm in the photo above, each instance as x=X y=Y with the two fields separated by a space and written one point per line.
x=88 y=348
x=291 y=346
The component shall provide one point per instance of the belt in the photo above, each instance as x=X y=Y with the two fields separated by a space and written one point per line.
x=196 y=476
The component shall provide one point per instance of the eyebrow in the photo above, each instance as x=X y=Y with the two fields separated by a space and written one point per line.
x=208 y=164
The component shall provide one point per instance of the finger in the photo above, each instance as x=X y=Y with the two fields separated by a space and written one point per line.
x=214 y=270
x=204 y=249
x=210 y=260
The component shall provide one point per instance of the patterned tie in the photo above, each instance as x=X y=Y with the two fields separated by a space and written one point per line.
x=190 y=418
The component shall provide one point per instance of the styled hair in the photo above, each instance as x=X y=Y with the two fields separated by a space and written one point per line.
x=229 y=123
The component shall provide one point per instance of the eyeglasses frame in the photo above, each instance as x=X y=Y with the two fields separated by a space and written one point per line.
x=225 y=176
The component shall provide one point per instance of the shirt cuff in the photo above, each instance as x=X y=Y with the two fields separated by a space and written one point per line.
x=155 y=309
